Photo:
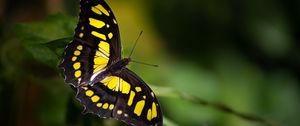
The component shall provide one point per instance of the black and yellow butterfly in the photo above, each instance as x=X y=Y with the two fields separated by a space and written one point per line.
x=93 y=65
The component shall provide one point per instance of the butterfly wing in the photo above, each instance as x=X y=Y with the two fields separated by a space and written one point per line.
x=125 y=97
x=96 y=100
x=96 y=43
x=141 y=104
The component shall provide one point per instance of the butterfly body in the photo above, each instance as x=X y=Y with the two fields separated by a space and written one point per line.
x=113 y=69
x=92 y=63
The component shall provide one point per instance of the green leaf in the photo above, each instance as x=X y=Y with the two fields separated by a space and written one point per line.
x=48 y=29
x=46 y=39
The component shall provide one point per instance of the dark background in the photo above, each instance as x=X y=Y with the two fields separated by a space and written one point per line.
x=244 y=54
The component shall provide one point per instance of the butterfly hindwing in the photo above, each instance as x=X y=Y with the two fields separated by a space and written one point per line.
x=96 y=100
x=136 y=103
x=124 y=97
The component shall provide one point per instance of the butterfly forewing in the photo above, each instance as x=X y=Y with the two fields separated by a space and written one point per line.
x=98 y=33
x=98 y=24
x=76 y=63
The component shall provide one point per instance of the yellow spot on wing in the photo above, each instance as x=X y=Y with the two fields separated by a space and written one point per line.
x=81 y=35
x=115 y=21
x=154 y=110
x=96 y=23
x=104 y=48
x=102 y=56
x=77 y=73
x=76 y=65
x=79 y=47
x=110 y=35
x=105 y=106
x=139 y=107
x=131 y=96
x=100 y=60
x=95 y=98
x=106 y=80
x=125 y=87
x=138 y=89
x=74 y=58
x=99 y=35
x=111 y=106
x=113 y=83
x=89 y=93
x=95 y=10
x=102 y=9
x=149 y=114
x=99 y=104
x=107 y=25
x=76 y=53
x=98 y=67
x=116 y=84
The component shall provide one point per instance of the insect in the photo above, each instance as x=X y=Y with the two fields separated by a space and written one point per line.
x=92 y=63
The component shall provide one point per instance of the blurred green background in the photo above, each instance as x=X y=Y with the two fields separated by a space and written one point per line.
x=243 y=54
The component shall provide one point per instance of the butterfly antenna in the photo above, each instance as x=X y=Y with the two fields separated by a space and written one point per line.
x=135 y=43
x=147 y=64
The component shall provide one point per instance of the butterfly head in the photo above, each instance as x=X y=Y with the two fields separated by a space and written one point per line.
x=127 y=60
x=123 y=63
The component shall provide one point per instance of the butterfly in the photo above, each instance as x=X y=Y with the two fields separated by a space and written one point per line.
x=92 y=63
